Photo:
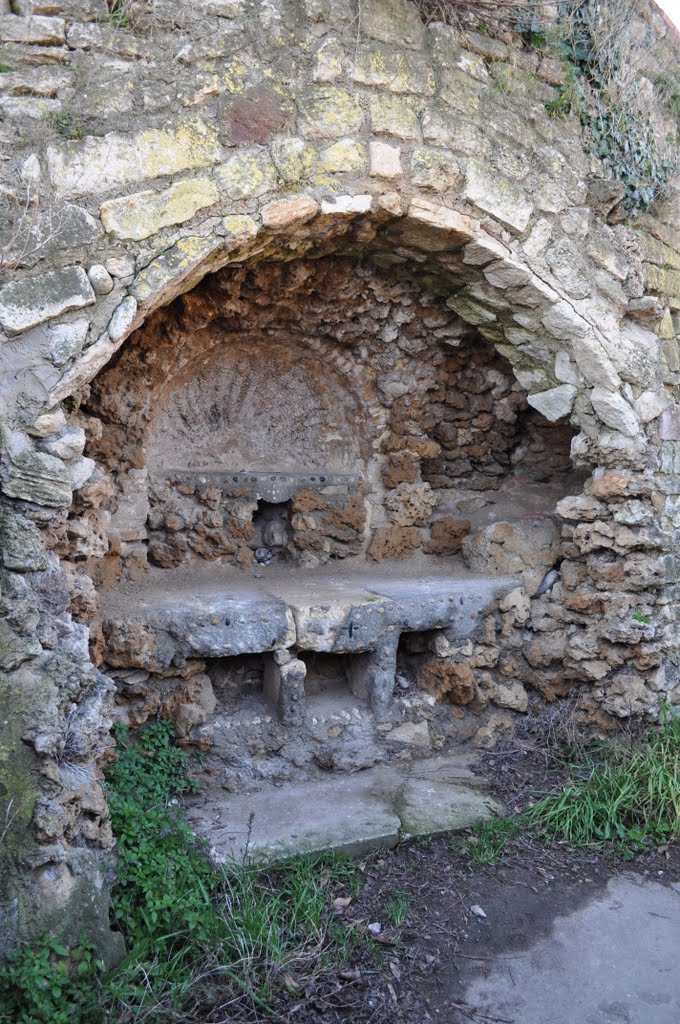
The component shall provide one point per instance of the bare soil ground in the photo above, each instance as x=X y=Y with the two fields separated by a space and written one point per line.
x=416 y=968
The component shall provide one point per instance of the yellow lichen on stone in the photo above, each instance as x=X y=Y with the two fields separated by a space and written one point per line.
x=247 y=174
x=330 y=113
x=346 y=155
x=294 y=160
x=96 y=165
x=144 y=213
x=397 y=72
x=172 y=266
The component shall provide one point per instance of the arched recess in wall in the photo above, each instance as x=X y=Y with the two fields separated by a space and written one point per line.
x=348 y=373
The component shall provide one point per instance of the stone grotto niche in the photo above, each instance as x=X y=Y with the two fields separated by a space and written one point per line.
x=328 y=503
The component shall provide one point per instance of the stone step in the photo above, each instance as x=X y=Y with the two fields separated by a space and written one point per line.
x=376 y=808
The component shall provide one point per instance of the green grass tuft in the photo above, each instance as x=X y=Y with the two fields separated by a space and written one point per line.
x=630 y=797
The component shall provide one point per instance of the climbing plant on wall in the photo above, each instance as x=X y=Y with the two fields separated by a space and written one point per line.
x=607 y=83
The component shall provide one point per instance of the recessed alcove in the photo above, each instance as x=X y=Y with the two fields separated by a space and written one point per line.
x=319 y=465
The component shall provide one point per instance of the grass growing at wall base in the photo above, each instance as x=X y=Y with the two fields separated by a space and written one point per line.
x=626 y=795
x=197 y=937
x=622 y=795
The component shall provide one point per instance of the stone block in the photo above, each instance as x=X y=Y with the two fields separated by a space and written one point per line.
x=385 y=161
x=435 y=169
x=32 y=300
x=329 y=61
x=329 y=113
x=343 y=156
x=499 y=197
x=40 y=235
x=450 y=679
x=96 y=165
x=393 y=22
x=394 y=542
x=46 y=82
x=446 y=536
x=555 y=403
x=144 y=213
x=410 y=504
x=35 y=29
x=394 y=71
x=247 y=174
x=435 y=228
x=394 y=115
x=615 y=411
x=283 y=213
x=66 y=445
x=22 y=549
x=37 y=477
x=347 y=206
x=100 y=279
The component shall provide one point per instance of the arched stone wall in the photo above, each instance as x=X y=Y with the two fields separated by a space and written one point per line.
x=310 y=143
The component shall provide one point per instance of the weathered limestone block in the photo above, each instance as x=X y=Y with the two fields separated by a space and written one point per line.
x=390 y=21
x=294 y=159
x=635 y=354
x=445 y=678
x=501 y=198
x=650 y=404
x=385 y=161
x=46 y=82
x=394 y=115
x=565 y=260
x=36 y=476
x=52 y=422
x=21 y=546
x=283 y=213
x=248 y=173
x=628 y=695
x=555 y=403
x=329 y=61
x=32 y=29
x=329 y=113
x=433 y=228
x=66 y=445
x=144 y=213
x=511 y=695
x=393 y=70
x=95 y=165
x=615 y=411
x=30 y=301
x=435 y=169
x=346 y=206
x=100 y=279
x=343 y=156
x=40 y=235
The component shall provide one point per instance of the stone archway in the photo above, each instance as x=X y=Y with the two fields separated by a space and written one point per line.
x=558 y=356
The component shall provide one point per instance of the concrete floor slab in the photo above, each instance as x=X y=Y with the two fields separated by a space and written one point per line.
x=613 y=961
